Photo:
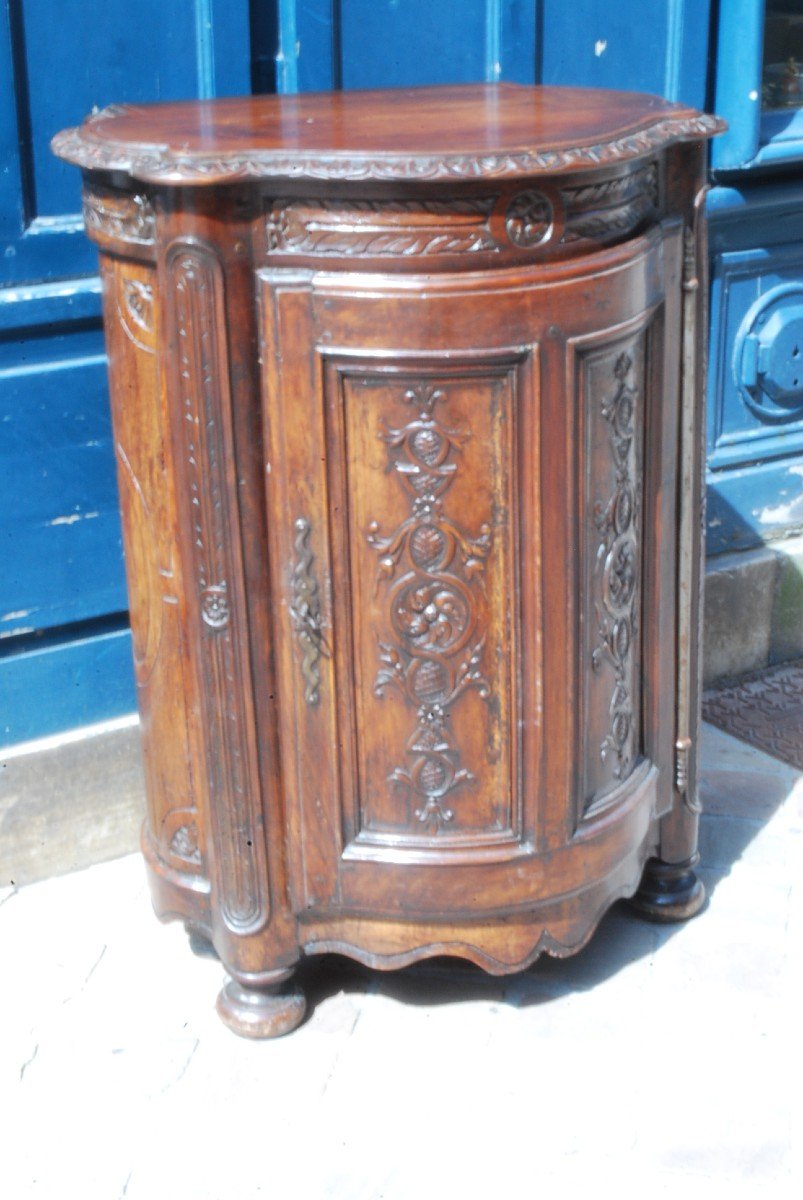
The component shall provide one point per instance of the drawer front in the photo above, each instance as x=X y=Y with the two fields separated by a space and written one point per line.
x=456 y=497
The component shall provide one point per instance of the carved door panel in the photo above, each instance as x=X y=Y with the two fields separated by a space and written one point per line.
x=460 y=476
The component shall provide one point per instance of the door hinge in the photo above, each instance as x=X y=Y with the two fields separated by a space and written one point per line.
x=682 y=755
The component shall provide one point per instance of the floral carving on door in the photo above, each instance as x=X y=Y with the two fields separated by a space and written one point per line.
x=616 y=519
x=431 y=570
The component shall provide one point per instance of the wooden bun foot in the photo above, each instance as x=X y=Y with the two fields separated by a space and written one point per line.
x=264 y=1011
x=669 y=891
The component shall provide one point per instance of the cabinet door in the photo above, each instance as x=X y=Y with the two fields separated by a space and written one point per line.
x=468 y=477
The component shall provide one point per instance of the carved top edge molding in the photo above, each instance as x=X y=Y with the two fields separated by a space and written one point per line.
x=161 y=164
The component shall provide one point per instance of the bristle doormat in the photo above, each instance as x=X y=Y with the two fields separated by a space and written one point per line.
x=764 y=709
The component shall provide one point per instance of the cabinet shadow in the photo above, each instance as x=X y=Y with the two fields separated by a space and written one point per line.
x=742 y=790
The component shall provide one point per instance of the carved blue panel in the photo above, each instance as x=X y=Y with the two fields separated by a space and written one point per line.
x=756 y=407
x=755 y=397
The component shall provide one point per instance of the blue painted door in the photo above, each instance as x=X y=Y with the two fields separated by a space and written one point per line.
x=755 y=395
x=755 y=401
x=387 y=43
x=64 y=644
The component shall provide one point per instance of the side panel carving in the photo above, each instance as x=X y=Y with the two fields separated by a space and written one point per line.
x=614 y=406
x=205 y=435
x=135 y=313
x=148 y=497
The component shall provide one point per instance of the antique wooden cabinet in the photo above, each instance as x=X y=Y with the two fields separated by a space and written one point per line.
x=407 y=405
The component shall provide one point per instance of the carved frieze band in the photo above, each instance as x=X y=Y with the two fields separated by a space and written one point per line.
x=430 y=569
x=462 y=225
x=380 y=227
x=201 y=374
x=616 y=585
x=612 y=207
x=153 y=163
x=122 y=216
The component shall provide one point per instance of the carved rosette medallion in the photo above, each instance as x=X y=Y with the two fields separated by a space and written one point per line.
x=529 y=217
x=215 y=606
x=431 y=570
x=616 y=519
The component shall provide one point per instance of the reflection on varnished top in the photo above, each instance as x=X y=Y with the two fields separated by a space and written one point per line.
x=467 y=131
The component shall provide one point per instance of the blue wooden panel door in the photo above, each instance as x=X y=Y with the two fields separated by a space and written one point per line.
x=390 y=43
x=64 y=644
x=398 y=43
x=755 y=401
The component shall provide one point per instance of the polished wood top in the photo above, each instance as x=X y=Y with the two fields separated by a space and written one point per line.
x=466 y=132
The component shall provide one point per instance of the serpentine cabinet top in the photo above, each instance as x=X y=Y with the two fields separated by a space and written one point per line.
x=474 y=131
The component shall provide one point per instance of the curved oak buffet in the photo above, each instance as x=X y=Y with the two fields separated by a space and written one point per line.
x=407 y=393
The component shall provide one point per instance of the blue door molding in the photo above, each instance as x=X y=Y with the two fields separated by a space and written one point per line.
x=65 y=656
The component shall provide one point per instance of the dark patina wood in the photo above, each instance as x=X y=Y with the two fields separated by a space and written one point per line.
x=407 y=391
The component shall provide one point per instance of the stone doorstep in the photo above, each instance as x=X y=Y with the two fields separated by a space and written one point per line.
x=70 y=802
x=753 y=610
